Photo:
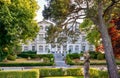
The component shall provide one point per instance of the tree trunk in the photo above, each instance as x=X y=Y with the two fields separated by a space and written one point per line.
x=86 y=65
x=111 y=65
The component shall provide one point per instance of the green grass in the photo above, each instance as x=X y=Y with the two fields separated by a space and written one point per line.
x=65 y=77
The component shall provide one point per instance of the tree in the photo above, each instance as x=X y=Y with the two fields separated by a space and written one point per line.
x=17 y=23
x=114 y=33
x=98 y=11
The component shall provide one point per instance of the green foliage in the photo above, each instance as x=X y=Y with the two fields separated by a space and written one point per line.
x=93 y=35
x=94 y=73
x=11 y=57
x=68 y=60
x=26 y=55
x=74 y=72
x=2 y=64
x=101 y=56
x=45 y=72
x=16 y=23
x=58 y=10
x=19 y=74
x=29 y=52
x=97 y=55
x=74 y=56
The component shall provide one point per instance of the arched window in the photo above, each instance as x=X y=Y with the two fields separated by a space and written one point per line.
x=83 y=48
x=25 y=48
x=46 y=48
x=41 y=27
x=71 y=47
x=41 y=48
x=77 y=48
x=91 y=48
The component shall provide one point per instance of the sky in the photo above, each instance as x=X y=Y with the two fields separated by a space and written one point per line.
x=39 y=16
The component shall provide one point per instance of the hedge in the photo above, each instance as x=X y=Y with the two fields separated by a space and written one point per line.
x=19 y=74
x=26 y=55
x=94 y=73
x=45 y=72
x=25 y=64
x=29 y=52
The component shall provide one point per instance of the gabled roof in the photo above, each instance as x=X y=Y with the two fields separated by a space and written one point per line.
x=45 y=21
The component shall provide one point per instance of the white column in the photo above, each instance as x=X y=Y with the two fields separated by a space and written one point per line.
x=61 y=50
x=37 y=48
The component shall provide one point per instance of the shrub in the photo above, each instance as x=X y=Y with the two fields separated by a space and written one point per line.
x=26 y=64
x=74 y=56
x=29 y=52
x=26 y=55
x=11 y=57
x=74 y=72
x=93 y=55
x=50 y=56
x=94 y=73
x=45 y=72
x=19 y=74
x=68 y=60
x=100 y=56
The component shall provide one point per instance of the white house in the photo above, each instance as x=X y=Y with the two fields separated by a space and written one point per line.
x=40 y=45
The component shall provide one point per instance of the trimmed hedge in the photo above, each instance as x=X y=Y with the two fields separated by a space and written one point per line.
x=74 y=72
x=74 y=56
x=29 y=52
x=19 y=74
x=26 y=55
x=94 y=73
x=45 y=72
x=25 y=64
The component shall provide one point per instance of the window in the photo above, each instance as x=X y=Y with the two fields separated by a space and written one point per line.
x=83 y=48
x=46 y=28
x=83 y=38
x=41 y=38
x=77 y=48
x=46 y=48
x=41 y=27
x=33 y=48
x=91 y=48
x=65 y=47
x=25 y=48
x=41 y=48
x=71 y=47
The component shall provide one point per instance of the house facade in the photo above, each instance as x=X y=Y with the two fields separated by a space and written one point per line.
x=40 y=45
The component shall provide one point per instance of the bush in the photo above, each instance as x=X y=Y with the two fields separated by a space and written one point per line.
x=100 y=56
x=45 y=72
x=74 y=56
x=19 y=74
x=93 y=55
x=11 y=57
x=26 y=55
x=94 y=73
x=29 y=52
x=74 y=72
x=26 y=64
x=68 y=60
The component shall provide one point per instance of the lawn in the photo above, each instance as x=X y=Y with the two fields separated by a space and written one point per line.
x=65 y=77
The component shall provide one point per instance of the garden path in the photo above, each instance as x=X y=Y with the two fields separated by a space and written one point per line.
x=59 y=60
